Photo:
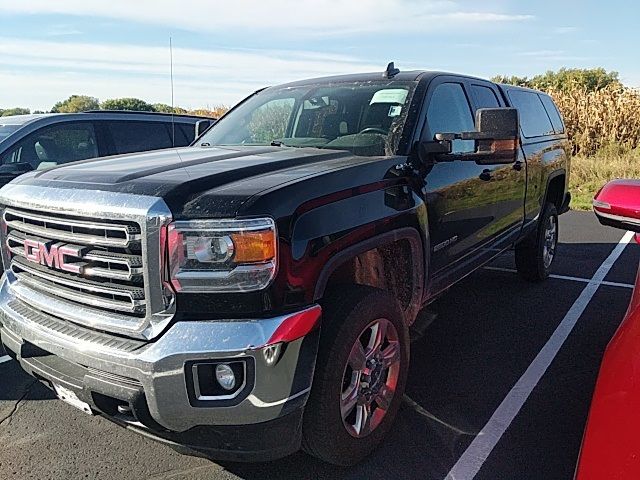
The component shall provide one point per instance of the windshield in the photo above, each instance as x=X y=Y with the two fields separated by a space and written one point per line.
x=6 y=130
x=365 y=118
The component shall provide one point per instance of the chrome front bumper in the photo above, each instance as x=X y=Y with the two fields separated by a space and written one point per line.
x=158 y=369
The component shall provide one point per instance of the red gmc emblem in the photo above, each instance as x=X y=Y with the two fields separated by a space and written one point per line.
x=54 y=256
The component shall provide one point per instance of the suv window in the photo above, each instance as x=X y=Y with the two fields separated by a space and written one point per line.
x=534 y=120
x=188 y=131
x=449 y=112
x=484 y=97
x=554 y=115
x=138 y=136
x=50 y=146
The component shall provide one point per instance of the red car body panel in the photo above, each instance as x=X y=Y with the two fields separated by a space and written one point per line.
x=611 y=443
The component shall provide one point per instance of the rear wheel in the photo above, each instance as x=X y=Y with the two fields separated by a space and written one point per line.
x=535 y=254
x=360 y=376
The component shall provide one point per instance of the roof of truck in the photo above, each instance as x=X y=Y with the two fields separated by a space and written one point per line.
x=407 y=76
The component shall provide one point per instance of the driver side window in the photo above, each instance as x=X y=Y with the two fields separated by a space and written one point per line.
x=449 y=112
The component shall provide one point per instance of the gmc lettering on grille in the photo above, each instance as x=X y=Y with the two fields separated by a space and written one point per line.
x=54 y=256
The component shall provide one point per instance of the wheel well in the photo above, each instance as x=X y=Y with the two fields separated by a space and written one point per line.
x=388 y=267
x=555 y=191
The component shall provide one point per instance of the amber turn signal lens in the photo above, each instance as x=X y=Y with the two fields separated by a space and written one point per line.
x=503 y=145
x=254 y=247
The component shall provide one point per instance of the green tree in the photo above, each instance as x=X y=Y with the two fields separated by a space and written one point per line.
x=589 y=79
x=164 y=108
x=134 y=104
x=15 y=111
x=512 y=80
x=76 y=103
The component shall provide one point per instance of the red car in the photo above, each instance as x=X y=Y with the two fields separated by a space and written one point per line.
x=611 y=444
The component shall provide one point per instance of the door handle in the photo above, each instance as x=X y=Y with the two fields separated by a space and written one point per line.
x=517 y=166
x=485 y=175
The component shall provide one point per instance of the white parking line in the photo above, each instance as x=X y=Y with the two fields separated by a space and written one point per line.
x=565 y=277
x=6 y=358
x=469 y=464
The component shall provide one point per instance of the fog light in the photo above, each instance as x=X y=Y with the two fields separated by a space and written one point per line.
x=225 y=376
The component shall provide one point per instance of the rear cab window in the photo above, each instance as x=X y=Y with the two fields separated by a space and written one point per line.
x=534 y=120
x=554 y=114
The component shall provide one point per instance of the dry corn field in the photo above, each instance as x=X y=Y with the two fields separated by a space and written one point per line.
x=604 y=127
x=600 y=118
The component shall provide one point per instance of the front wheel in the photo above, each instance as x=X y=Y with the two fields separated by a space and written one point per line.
x=360 y=376
x=535 y=254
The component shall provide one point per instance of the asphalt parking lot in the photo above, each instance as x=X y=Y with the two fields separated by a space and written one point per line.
x=499 y=387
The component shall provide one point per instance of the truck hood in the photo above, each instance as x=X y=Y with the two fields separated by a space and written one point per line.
x=181 y=175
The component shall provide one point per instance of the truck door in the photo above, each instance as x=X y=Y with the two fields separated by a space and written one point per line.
x=509 y=182
x=460 y=194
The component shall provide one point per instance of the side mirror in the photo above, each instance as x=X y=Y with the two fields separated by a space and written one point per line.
x=617 y=204
x=497 y=123
x=202 y=126
x=496 y=137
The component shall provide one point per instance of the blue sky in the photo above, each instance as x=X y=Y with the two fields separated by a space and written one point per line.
x=50 y=49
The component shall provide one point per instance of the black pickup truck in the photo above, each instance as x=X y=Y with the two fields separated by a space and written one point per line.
x=253 y=293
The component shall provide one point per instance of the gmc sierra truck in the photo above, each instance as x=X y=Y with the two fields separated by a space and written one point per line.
x=253 y=293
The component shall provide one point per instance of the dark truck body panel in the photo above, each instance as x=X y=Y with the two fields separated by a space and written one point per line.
x=332 y=209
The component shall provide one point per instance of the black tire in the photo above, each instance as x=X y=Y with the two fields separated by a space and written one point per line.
x=532 y=259
x=346 y=317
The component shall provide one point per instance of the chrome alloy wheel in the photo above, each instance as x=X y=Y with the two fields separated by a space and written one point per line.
x=550 y=241
x=370 y=378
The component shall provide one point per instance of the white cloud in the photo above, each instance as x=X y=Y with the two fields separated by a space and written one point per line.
x=309 y=17
x=566 y=30
x=43 y=72
x=61 y=30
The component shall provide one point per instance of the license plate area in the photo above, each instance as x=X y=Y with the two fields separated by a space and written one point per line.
x=71 y=398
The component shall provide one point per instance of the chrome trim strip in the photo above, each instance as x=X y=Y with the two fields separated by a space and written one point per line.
x=133 y=293
x=618 y=218
x=72 y=295
x=256 y=402
x=55 y=234
x=82 y=315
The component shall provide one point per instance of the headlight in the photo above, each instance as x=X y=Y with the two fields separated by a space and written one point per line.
x=222 y=255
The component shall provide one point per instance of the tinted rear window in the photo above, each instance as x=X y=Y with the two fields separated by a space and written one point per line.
x=554 y=115
x=135 y=136
x=534 y=120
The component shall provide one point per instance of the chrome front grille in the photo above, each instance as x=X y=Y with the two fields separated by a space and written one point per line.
x=73 y=230
x=104 y=269
x=89 y=257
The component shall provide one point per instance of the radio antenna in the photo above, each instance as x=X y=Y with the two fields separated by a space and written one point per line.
x=173 y=124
